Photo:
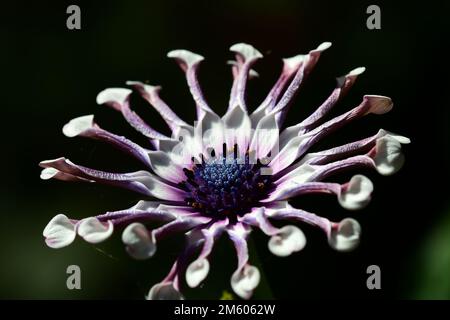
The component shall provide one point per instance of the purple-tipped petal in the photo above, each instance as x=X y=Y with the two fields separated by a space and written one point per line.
x=287 y=240
x=60 y=232
x=245 y=280
x=284 y=241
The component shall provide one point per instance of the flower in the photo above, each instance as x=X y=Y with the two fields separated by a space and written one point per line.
x=228 y=174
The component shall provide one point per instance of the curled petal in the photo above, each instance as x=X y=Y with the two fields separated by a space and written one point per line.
x=356 y=193
x=388 y=156
x=113 y=97
x=94 y=231
x=186 y=59
x=59 y=232
x=78 y=125
x=288 y=240
x=245 y=280
x=199 y=269
x=197 y=272
x=140 y=244
x=246 y=51
x=345 y=235
x=164 y=291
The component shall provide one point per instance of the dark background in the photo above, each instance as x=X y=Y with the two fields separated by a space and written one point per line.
x=52 y=74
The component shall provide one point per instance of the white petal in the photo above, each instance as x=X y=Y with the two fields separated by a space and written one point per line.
x=48 y=173
x=346 y=236
x=111 y=95
x=138 y=241
x=399 y=138
x=378 y=104
x=357 y=71
x=94 y=231
x=247 y=51
x=299 y=175
x=186 y=57
x=293 y=63
x=78 y=125
x=265 y=137
x=356 y=194
x=237 y=128
x=323 y=46
x=164 y=291
x=252 y=73
x=164 y=167
x=146 y=87
x=197 y=272
x=388 y=158
x=211 y=130
x=59 y=232
x=290 y=239
x=244 y=281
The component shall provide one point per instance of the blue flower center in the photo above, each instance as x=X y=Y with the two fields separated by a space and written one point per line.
x=226 y=187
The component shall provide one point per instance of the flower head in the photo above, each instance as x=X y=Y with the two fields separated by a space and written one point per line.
x=229 y=174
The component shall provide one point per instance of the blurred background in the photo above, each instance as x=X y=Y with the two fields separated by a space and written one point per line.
x=52 y=74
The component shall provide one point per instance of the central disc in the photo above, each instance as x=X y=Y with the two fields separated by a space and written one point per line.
x=225 y=187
